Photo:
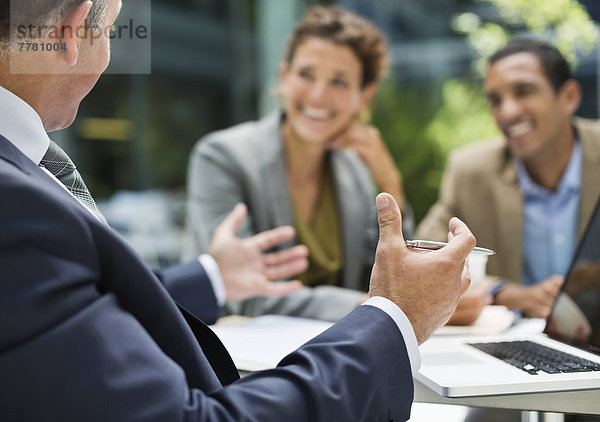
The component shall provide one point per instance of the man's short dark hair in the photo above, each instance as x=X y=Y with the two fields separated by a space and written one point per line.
x=553 y=63
x=38 y=13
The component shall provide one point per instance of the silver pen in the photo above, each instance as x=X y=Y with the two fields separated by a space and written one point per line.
x=430 y=245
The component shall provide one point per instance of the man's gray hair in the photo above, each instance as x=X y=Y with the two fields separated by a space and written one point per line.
x=42 y=15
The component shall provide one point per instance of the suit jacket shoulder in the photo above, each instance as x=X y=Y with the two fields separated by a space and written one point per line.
x=244 y=146
x=484 y=158
x=588 y=128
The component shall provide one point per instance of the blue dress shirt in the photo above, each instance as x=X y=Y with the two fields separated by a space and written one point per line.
x=550 y=221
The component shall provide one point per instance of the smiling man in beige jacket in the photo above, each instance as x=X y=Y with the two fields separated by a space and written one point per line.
x=529 y=194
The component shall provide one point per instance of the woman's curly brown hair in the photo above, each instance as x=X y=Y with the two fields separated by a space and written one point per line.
x=345 y=28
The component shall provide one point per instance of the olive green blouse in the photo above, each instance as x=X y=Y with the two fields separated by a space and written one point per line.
x=322 y=237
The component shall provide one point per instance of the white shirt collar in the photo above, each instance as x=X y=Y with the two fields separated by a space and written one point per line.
x=22 y=126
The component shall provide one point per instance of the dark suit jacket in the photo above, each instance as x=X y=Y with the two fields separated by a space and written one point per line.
x=88 y=333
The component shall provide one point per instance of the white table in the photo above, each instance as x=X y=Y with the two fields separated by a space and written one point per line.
x=534 y=407
x=584 y=402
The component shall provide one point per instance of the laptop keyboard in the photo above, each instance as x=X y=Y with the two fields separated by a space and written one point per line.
x=533 y=357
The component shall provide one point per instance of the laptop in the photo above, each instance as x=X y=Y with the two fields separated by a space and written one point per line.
x=510 y=364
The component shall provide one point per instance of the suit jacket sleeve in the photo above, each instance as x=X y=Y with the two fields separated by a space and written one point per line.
x=321 y=380
x=190 y=286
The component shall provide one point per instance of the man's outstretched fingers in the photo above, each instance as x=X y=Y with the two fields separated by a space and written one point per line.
x=286 y=269
x=267 y=239
x=281 y=288
x=286 y=263
x=279 y=257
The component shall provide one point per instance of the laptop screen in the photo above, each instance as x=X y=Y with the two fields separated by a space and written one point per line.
x=575 y=317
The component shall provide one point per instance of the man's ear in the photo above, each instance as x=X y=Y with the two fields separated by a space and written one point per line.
x=72 y=20
x=570 y=92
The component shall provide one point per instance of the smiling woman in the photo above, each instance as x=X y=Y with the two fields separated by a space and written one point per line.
x=312 y=164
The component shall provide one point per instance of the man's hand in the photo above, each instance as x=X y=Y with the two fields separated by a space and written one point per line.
x=246 y=271
x=471 y=304
x=534 y=301
x=425 y=285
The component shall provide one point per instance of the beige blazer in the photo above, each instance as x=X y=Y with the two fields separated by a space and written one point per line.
x=480 y=187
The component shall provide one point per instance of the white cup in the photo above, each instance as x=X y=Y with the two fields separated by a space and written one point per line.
x=477 y=264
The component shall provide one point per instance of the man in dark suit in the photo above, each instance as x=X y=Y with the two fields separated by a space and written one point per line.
x=89 y=333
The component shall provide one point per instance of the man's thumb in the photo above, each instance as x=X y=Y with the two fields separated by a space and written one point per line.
x=389 y=217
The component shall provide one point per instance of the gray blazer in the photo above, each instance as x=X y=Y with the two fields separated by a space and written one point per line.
x=246 y=163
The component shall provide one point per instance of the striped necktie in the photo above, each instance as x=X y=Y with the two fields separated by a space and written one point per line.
x=60 y=165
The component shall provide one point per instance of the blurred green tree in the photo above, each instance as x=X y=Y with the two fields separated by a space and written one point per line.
x=402 y=114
